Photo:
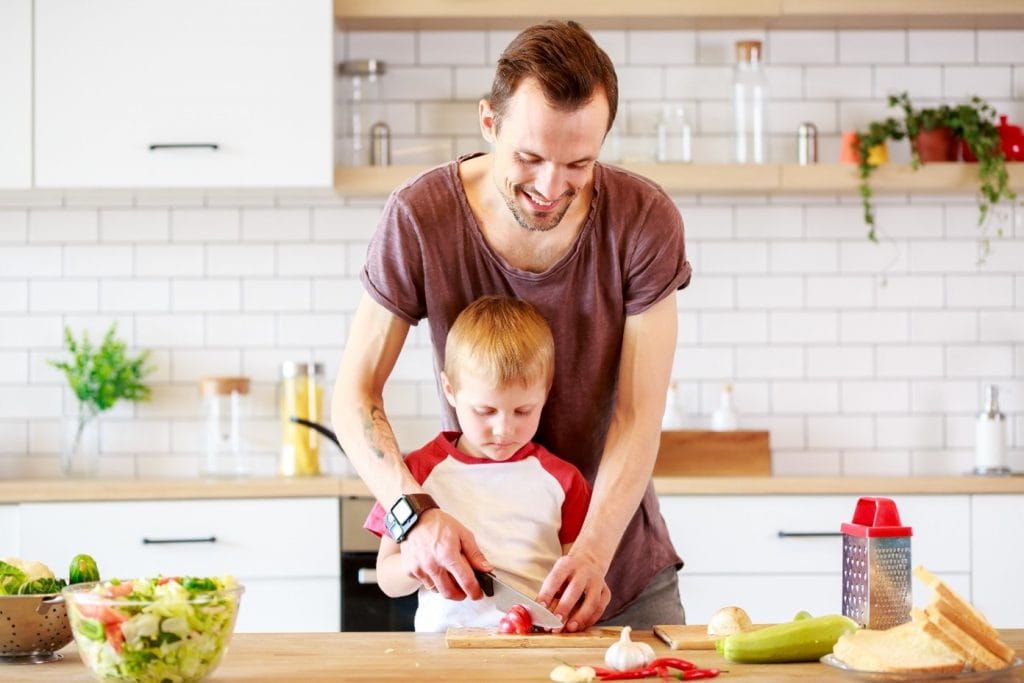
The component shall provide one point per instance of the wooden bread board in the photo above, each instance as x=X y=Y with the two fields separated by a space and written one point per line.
x=463 y=637
x=699 y=453
x=690 y=637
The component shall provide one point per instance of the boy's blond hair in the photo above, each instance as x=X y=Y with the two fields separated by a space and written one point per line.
x=501 y=339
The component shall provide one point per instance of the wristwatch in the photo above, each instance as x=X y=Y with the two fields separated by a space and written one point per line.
x=405 y=512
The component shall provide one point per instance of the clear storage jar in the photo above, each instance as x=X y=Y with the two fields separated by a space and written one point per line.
x=225 y=402
x=749 y=99
x=302 y=393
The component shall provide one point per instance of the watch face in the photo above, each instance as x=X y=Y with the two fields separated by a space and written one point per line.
x=401 y=510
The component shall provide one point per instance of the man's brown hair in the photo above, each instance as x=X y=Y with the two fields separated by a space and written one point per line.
x=564 y=60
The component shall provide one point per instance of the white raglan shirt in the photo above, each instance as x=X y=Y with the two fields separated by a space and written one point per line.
x=520 y=510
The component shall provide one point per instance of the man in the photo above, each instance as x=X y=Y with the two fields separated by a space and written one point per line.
x=600 y=253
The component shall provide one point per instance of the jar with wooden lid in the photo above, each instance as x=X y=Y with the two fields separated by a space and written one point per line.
x=225 y=402
x=302 y=391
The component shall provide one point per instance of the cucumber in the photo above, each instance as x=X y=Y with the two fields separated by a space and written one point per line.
x=807 y=639
x=83 y=569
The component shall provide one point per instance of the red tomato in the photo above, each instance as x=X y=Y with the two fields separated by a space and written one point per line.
x=517 y=621
x=101 y=613
x=166 y=579
x=115 y=636
x=120 y=590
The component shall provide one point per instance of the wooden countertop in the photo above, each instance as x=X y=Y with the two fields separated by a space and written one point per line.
x=264 y=657
x=47 y=490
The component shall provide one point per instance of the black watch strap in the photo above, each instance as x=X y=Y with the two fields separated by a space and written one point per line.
x=405 y=512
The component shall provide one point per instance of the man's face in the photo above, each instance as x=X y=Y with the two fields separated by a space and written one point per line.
x=544 y=157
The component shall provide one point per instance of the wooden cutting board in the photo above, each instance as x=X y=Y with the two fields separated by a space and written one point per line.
x=690 y=637
x=461 y=637
x=701 y=453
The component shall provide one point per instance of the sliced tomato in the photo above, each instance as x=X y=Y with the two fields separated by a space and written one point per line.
x=120 y=590
x=115 y=636
x=516 y=621
x=167 y=579
x=101 y=613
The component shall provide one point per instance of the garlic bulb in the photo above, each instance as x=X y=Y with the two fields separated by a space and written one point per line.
x=627 y=654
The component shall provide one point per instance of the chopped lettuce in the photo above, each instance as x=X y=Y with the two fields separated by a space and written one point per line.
x=170 y=630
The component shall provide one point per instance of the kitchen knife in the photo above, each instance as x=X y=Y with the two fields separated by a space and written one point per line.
x=505 y=596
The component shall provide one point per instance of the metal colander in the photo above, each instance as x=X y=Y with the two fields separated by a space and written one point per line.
x=33 y=628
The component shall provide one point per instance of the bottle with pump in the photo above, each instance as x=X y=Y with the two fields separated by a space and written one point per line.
x=990 y=437
x=725 y=418
x=749 y=95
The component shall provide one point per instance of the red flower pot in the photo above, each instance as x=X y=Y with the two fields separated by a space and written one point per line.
x=1011 y=140
x=936 y=144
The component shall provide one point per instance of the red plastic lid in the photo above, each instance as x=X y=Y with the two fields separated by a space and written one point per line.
x=876 y=517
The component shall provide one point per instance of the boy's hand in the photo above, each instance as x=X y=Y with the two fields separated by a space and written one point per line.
x=576 y=591
x=441 y=553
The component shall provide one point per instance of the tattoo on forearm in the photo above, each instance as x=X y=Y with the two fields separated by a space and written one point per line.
x=377 y=430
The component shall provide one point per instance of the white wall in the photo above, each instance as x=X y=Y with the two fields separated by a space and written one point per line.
x=787 y=300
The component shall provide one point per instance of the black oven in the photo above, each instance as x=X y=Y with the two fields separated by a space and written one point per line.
x=363 y=606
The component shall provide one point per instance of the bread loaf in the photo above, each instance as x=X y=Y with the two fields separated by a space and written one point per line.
x=905 y=648
x=949 y=635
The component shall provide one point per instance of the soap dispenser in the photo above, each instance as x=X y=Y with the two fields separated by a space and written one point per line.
x=725 y=417
x=990 y=437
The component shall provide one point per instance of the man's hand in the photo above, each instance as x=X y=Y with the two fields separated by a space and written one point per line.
x=441 y=553
x=576 y=583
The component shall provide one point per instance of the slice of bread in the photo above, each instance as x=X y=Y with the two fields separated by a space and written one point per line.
x=963 y=625
x=962 y=643
x=965 y=621
x=905 y=649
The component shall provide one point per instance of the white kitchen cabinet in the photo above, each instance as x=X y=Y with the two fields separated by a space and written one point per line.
x=997 y=557
x=10 y=534
x=735 y=554
x=286 y=551
x=15 y=94
x=189 y=93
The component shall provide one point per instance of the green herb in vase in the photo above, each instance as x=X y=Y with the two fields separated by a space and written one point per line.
x=99 y=377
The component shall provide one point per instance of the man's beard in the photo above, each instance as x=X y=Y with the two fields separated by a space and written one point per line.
x=550 y=222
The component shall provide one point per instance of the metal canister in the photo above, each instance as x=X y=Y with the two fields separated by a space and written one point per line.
x=876 y=565
x=302 y=394
x=807 y=143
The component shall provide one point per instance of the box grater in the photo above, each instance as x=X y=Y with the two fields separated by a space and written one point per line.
x=876 y=565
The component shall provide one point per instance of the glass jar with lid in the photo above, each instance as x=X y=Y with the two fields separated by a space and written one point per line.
x=302 y=390
x=225 y=402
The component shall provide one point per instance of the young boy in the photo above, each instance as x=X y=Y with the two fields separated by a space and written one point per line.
x=524 y=505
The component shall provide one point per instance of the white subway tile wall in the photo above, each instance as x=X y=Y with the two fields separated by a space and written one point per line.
x=861 y=358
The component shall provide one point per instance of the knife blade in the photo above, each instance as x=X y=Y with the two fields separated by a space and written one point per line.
x=506 y=595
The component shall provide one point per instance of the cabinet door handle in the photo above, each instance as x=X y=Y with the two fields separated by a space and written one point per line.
x=157 y=541
x=809 y=534
x=156 y=146
x=366 y=577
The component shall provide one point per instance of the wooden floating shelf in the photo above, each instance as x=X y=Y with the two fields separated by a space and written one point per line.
x=668 y=14
x=948 y=178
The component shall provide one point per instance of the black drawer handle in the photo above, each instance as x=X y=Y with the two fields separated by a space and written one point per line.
x=212 y=146
x=158 y=541
x=809 y=534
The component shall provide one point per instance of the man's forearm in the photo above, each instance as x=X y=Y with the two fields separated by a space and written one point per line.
x=369 y=442
x=618 y=489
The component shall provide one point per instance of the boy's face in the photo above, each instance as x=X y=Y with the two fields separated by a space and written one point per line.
x=496 y=421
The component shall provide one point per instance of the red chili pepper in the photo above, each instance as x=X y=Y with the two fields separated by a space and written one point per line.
x=674 y=662
x=695 y=674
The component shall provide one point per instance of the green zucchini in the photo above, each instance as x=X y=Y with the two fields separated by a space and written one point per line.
x=806 y=639
x=83 y=569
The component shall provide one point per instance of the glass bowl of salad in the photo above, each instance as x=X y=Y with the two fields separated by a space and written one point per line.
x=171 y=628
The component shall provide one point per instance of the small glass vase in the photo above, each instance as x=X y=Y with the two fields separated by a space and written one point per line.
x=80 y=446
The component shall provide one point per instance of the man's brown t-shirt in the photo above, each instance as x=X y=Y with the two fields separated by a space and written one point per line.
x=428 y=259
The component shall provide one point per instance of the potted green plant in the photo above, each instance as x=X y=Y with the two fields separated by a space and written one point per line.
x=99 y=377
x=934 y=132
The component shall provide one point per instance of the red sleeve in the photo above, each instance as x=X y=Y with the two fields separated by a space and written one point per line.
x=574 y=507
